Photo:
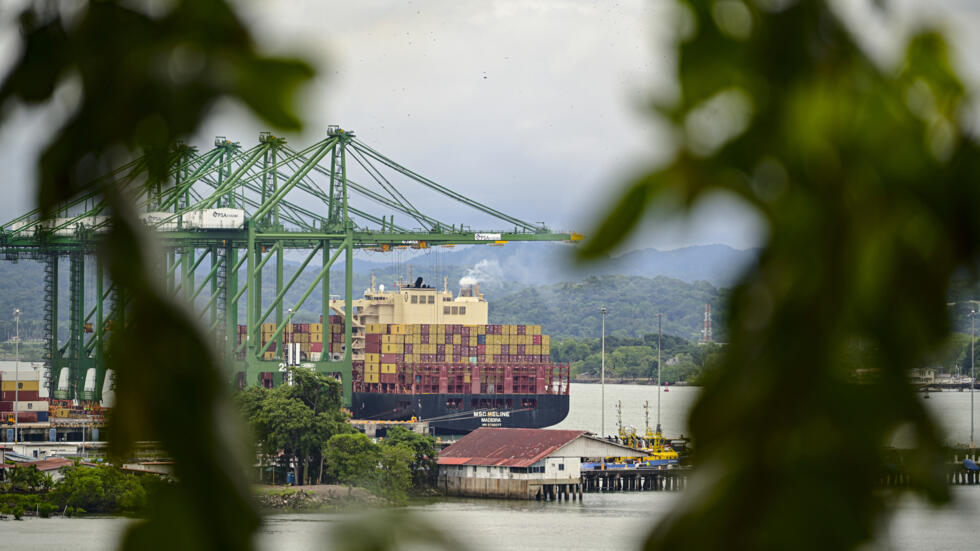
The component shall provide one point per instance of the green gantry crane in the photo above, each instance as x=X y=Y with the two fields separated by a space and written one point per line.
x=232 y=207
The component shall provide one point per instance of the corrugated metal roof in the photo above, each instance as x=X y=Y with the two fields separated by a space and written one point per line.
x=43 y=465
x=506 y=447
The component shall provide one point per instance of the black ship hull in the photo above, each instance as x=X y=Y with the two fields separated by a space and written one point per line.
x=463 y=413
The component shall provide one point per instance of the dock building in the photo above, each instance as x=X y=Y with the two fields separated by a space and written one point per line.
x=522 y=463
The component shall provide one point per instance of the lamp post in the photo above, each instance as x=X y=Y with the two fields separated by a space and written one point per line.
x=660 y=331
x=602 y=373
x=973 y=376
x=16 y=374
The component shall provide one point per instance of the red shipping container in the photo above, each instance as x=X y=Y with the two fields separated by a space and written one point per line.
x=372 y=347
x=441 y=349
x=6 y=406
x=372 y=338
x=388 y=378
x=408 y=348
x=390 y=358
x=481 y=349
x=424 y=329
x=520 y=349
x=424 y=339
x=27 y=417
x=23 y=395
x=536 y=339
x=316 y=347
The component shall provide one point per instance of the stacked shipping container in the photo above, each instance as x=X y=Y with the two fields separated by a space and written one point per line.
x=309 y=337
x=23 y=397
x=463 y=359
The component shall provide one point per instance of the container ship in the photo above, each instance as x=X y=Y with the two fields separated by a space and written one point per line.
x=420 y=352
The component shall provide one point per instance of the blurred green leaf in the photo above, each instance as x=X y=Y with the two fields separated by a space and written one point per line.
x=858 y=170
x=138 y=81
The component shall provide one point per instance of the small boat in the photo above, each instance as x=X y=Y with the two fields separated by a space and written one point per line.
x=666 y=386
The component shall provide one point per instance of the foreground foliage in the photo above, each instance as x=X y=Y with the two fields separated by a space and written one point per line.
x=862 y=173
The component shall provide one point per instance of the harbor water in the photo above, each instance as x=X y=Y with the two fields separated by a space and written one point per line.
x=599 y=522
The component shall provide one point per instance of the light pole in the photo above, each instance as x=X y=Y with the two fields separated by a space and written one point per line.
x=602 y=373
x=973 y=376
x=16 y=374
x=660 y=331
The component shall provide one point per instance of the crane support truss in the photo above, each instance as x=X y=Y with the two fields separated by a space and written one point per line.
x=232 y=208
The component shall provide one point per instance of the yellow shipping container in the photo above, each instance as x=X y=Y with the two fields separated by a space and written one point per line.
x=316 y=337
x=371 y=377
x=440 y=338
x=466 y=378
x=545 y=339
x=374 y=368
x=481 y=329
x=535 y=349
x=268 y=327
x=316 y=328
x=269 y=356
x=398 y=329
x=534 y=329
x=546 y=349
x=21 y=385
x=457 y=339
x=394 y=348
x=369 y=357
x=336 y=328
x=387 y=368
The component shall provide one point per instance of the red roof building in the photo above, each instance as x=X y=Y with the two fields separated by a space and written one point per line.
x=520 y=463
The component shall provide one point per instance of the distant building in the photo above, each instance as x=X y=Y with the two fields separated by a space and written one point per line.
x=922 y=376
x=51 y=466
x=521 y=463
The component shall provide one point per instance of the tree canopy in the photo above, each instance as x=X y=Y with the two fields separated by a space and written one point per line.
x=292 y=422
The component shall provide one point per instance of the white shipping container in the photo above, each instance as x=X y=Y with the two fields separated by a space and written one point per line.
x=160 y=221
x=33 y=405
x=215 y=219
x=67 y=227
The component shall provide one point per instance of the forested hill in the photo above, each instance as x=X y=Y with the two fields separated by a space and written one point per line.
x=564 y=309
x=632 y=303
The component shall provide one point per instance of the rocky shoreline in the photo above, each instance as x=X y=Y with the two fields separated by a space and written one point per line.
x=332 y=497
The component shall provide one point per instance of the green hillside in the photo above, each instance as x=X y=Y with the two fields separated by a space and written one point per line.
x=632 y=303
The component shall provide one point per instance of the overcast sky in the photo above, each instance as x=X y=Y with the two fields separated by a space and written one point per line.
x=533 y=107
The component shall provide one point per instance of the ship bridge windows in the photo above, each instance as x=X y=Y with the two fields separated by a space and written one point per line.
x=454 y=310
x=462 y=310
x=454 y=404
x=445 y=310
x=415 y=299
x=432 y=299
x=529 y=403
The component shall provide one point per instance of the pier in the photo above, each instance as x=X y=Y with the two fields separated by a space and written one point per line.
x=634 y=480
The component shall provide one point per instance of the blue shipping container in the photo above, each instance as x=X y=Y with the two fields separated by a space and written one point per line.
x=42 y=416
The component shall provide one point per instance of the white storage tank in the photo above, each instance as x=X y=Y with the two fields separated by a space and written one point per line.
x=90 y=380
x=63 y=379
x=109 y=389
